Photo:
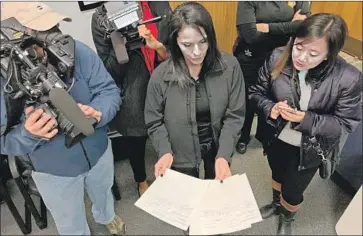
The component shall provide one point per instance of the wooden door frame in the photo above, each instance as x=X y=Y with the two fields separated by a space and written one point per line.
x=353 y=47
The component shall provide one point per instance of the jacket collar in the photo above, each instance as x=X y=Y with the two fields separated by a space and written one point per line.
x=315 y=75
x=288 y=70
x=218 y=66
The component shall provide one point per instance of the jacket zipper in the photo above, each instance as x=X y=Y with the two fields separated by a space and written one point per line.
x=189 y=115
x=85 y=154
x=302 y=144
x=301 y=165
x=210 y=107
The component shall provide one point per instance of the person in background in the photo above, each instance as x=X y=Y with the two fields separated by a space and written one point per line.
x=62 y=174
x=195 y=99
x=5 y=174
x=132 y=77
x=306 y=92
x=262 y=26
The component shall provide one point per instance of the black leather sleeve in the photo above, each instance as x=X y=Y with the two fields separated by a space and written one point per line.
x=260 y=93
x=289 y=28
x=347 y=113
x=250 y=35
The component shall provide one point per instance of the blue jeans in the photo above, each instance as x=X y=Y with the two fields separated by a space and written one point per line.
x=64 y=196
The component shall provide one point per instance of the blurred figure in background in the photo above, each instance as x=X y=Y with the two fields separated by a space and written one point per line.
x=262 y=26
x=133 y=77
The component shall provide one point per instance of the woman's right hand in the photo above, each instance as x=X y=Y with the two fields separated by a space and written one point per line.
x=164 y=163
x=150 y=40
x=275 y=111
x=298 y=16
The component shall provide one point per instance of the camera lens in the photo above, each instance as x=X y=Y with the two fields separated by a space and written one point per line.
x=62 y=67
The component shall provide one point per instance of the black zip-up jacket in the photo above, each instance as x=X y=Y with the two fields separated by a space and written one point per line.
x=170 y=112
x=334 y=108
x=253 y=47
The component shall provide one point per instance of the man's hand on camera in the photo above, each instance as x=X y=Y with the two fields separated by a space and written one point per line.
x=39 y=123
x=90 y=112
x=150 y=40
x=39 y=51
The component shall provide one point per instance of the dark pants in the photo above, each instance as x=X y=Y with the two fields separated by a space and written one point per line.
x=246 y=129
x=250 y=113
x=250 y=74
x=134 y=149
x=208 y=155
x=5 y=174
x=284 y=160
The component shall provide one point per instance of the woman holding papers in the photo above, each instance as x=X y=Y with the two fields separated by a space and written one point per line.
x=195 y=100
x=310 y=96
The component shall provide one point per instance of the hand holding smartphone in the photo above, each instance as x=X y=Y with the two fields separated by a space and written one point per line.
x=288 y=109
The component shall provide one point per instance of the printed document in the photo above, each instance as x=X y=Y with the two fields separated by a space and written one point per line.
x=227 y=207
x=173 y=197
x=206 y=207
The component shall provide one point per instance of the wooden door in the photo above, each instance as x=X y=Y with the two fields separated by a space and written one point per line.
x=350 y=11
x=224 y=20
x=352 y=14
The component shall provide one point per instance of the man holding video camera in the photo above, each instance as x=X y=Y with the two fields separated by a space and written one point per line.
x=116 y=38
x=62 y=173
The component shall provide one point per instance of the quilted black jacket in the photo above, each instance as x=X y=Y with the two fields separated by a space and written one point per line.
x=334 y=108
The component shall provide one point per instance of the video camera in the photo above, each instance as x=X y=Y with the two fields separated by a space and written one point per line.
x=121 y=22
x=41 y=80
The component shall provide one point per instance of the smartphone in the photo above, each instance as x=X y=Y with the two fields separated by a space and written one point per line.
x=288 y=109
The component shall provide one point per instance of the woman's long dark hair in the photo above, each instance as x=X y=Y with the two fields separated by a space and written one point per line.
x=194 y=15
x=323 y=25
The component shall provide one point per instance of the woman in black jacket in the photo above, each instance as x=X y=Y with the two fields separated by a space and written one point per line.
x=262 y=27
x=306 y=92
x=132 y=77
x=195 y=99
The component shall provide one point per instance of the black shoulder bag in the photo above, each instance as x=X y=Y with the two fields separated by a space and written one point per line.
x=328 y=164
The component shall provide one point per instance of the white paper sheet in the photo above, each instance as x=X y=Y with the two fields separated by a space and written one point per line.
x=207 y=207
x=225 y=208
x=249 y=199
x=173 y=197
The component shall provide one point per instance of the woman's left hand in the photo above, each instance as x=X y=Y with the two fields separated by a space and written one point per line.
x=222 y=169
x=298 y=116
x=262 y=27
x=150 y=40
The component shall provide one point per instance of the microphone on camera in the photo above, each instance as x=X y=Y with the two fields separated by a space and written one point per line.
x=65 y=104
x=118 y=43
